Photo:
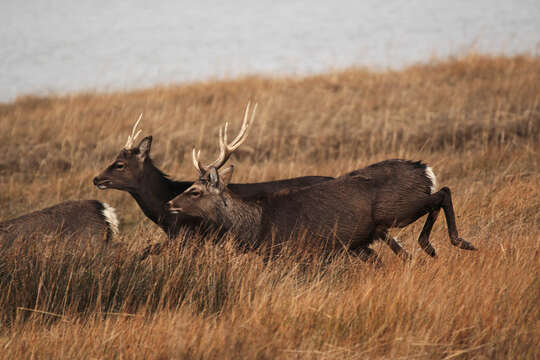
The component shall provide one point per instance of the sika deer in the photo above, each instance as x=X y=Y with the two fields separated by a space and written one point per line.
x=134 y=171
x=349 y=212
x=91 y=220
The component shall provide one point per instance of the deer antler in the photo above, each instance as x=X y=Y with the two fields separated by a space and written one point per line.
x=196 y=161
x=131 y=138
x=226 y=150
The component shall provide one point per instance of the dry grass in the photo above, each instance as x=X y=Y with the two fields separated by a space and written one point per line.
x=476 y=121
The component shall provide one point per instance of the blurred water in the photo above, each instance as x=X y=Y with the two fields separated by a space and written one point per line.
x=61 y=46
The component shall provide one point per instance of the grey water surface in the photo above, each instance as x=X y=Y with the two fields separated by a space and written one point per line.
x=60 y=46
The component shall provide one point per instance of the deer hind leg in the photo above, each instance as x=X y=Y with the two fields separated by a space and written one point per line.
x=393 y=245
x=442 y=199
x=423 y=239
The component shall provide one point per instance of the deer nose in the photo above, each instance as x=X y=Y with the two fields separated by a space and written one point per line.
x=170 y=204
x=95 y=180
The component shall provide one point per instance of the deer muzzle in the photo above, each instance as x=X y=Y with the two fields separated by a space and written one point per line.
x=102 y=184
x=172 y=208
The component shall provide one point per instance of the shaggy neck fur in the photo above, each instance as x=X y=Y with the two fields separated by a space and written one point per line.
x=242 y=218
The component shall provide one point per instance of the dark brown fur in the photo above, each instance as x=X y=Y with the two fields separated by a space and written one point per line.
x=349 y=212
x=133 y=171
x=82 y=219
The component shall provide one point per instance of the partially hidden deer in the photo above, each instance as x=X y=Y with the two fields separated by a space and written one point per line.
x=89 y=220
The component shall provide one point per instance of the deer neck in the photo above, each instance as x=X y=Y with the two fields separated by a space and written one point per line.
x=155 y=191
x=241 y=217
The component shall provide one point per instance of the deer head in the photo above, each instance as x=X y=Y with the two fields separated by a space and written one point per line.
x=126 y=171
x=204 y=198
x=210 y=192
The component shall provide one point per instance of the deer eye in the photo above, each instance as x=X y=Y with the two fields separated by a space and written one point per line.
x=119 y=165
x=195 y=193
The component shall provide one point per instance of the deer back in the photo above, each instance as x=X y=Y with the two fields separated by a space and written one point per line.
x=88 y=219
x=345 y=211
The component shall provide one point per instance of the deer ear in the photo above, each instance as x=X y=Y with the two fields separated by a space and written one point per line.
x=144 y=147
x=226 y=176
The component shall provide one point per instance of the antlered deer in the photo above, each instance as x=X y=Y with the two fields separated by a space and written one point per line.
x=350 y=212
x=134 y=171
x=90 y=220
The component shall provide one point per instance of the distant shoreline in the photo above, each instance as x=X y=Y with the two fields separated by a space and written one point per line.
x=278 y=76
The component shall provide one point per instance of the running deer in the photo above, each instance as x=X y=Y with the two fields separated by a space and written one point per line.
x=91 y=220
x=134 y=171
x=349 y=212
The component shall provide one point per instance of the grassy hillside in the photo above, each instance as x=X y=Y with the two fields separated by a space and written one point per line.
x=475 y=120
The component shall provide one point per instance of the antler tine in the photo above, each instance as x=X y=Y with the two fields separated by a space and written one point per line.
x=246 y=123
x=196 y=161
x=226 y=150
x=223 y=140
x=131 y=138
x=240 y=137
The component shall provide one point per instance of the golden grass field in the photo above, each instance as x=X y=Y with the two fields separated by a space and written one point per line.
x=475 y=120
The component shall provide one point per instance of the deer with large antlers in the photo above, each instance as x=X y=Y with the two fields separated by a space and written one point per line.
x=349 y=212
x=134 y=171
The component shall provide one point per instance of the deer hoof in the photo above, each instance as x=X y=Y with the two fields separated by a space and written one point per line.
x=462 y=244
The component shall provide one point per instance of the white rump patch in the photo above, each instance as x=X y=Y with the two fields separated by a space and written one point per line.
x=110 y=217
x=431 y=176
